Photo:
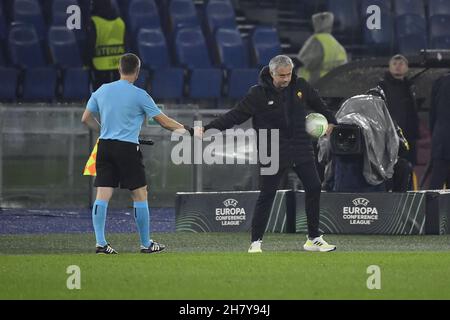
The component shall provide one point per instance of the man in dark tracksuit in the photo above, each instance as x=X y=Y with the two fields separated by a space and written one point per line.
x=439 y=125
x=279 y=102
x=402 y=106
x=401 y=102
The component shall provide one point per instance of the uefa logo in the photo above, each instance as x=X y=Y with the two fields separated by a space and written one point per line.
x=230 y=203
x=360 y=202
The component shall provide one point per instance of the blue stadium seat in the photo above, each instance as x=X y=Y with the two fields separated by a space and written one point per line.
x=240 y=81
x=22 y=41
x=37 y=90
x=205 y=84
x=220 y=14
x=416 y=7
x=167 y=84
x=191 y=49
x=8 y=84
x=59 y=11
x=58 y=17
x=142 y=80
x=182 y=14
x=411 y=44
x=143 y=14
x=76 y=85
x=231 y=49
x=441 y=43
x=2 y=22
x=266 y=44
x=152 y=48
x=30 y=12
x=440 y=32
x=411 y=33
x=438 y=7
x=64 y=47
x=347 y=24
x=381 y=41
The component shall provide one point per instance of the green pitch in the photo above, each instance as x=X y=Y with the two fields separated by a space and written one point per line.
x=216 y=266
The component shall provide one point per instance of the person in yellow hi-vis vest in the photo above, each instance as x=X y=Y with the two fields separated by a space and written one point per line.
x=321 y=52
x=89 y=168
x=106 y=42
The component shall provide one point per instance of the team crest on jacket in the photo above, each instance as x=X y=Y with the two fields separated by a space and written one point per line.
x=299 y=94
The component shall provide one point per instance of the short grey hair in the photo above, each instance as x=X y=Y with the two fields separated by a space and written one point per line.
x=280 y=61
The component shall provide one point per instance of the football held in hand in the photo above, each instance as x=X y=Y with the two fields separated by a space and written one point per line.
x=316 y=125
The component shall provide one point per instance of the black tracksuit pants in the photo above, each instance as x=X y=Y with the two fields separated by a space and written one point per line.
x=440 y=173
x=307 y=173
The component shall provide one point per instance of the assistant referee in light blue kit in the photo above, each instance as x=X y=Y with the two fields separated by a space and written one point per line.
x=122 y=108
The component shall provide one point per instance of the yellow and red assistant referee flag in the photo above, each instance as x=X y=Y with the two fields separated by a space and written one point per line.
x=89 y=169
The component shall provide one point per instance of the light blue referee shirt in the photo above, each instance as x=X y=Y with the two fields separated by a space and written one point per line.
x=122 y=108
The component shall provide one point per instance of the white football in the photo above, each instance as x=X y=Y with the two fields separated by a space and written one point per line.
x=316 y=125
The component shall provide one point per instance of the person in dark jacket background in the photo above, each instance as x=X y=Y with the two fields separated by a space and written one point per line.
x=440 y=133
x=401 y=103
x=279 y=102
x=106 y=42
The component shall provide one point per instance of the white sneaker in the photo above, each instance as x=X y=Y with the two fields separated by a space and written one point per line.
x=255 y=247
x=318 y=244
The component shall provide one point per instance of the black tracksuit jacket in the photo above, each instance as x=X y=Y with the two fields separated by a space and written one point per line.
x=279 y=109
x=440 y=118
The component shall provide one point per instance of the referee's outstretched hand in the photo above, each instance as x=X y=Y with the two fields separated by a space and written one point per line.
x=198 y=132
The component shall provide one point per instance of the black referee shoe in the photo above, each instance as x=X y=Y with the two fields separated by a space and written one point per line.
x=154 y=247
x=105 y=250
